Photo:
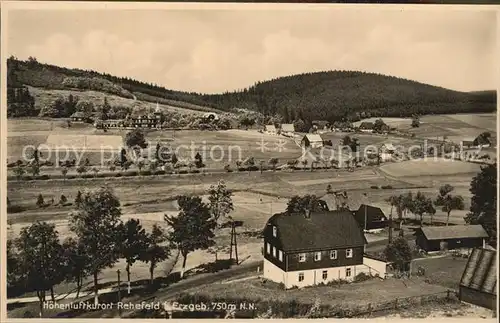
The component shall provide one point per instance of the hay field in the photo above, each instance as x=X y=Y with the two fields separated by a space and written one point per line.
x=219 y=148
x=455 y=126
x=391 y=122
x=430 y=167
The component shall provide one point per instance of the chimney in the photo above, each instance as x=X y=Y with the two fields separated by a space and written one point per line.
x=307 y=213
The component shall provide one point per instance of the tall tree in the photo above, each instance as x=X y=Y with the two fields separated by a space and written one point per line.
x=136 y=139
x=422 y=205
x=96 y=223
x=220 y=205
x=299 y=204
x=157 y=249
x=483 y=209
x=449 y=202
x=399 y=253
x=133 y=242
x=77 y=261
x=40 y=258
x=193 y=228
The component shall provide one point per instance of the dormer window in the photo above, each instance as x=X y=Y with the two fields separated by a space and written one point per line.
x=275 y=231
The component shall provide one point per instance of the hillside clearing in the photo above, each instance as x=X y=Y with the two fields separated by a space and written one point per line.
x=430 y=166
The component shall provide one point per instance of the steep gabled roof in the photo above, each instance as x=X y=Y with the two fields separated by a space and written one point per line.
x=480 y=273
x=373 y=214
x=78 y=114
x=323 y=230
x=312 y=137
x=270 y=127
x=288 y=127
x=454 y=232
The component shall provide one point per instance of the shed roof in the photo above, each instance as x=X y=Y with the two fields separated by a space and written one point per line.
x=480 y=273
x=321 y=231
x=373 y=214
x=454 y=232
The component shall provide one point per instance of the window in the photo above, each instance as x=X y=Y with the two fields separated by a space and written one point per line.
x=268 y=247
x=317 y=256
x=302 y=257
x=348 y=272
x=274 y=251
x=333 y=254
x=325 y=274
x=275 y=231
x=458 y=241
x=301 y=277
x=348 y=253
x=280 y=255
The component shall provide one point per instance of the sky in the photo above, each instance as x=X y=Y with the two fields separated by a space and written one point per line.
x=213 y=51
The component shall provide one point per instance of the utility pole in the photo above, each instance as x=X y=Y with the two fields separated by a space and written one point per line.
x=119 y=293
x=365 y=217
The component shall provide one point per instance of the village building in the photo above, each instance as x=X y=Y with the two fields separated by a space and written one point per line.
x=450 y=237
x=312 y=141
x=271 y=129
x=211 y=116
x=479 y=280
x=387 y=152
x=288 y=129
x=467 y=143
x=370 y=218
x=78 y=117
x=321 y=124
x=316 y=247
x=366 y=126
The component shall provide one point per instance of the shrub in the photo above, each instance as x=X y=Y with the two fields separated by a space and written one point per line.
x=362 y=277
x=160 y=172
x=146 y=173
x=43 y=177
x=118 y=175
x=194 y=171
x=375 y=187
x=14 y=209
x=386 y=187
x=132 y=173
x=71 y=177
x=183 y=171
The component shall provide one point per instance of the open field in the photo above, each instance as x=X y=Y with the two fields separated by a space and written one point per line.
x=430 y=167
x=455 y=127
x=444 y=271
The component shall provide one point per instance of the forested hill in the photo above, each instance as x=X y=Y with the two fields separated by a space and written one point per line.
x=336 y=94
x=331 y=95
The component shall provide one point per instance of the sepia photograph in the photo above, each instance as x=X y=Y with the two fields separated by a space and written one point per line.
x=249 y=161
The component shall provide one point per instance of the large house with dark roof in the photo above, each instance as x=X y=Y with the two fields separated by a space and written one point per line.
x=450 y=237
x=479 y=280
x=316 y=247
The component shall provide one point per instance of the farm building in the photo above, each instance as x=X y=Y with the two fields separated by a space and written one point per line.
x=387 y=151
x=312 y=141
x=211 y=116
x=336 y=201
x=370 y=218
x=479 y=280
x=78 y=117
x=271 y=129
x=366 y=126
x=467 y=143
x=321 y=124
x=287 y=129
x=450 y=237
x=316 y=247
